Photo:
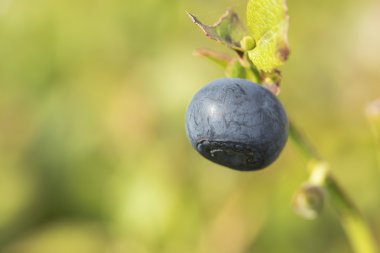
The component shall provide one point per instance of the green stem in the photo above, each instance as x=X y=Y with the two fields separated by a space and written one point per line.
x=352 y=221
x=304 y=146
x=354 y=224
x=253 y=74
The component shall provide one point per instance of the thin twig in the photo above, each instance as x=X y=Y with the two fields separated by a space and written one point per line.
x=353 y=222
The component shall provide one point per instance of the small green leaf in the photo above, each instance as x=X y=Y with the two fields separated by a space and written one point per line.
x=268 y=22
x=217 y=57
x=228 y=29
x=235 y=69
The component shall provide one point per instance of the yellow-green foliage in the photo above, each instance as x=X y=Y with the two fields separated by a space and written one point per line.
x=268 y=23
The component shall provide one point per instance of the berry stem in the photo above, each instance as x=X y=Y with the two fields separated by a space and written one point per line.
x=352 y=221
x=252 y=71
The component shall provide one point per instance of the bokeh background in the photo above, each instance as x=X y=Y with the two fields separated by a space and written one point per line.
x=93 y=151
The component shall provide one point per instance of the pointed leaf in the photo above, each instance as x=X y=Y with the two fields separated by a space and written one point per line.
x=217 y=57
x=268 y=22
x=228 y=29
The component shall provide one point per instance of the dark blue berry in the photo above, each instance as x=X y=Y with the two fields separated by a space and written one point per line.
x=237 y=123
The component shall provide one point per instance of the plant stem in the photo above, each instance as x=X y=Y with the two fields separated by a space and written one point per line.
x=304 y=146
x=352 y=221
x=354 y=224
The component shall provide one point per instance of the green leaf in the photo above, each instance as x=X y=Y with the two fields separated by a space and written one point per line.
x=217 y=57
x=235 y=69
x=228 y=29
x=268 y=22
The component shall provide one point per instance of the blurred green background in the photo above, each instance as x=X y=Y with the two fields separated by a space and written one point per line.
x=93 y=151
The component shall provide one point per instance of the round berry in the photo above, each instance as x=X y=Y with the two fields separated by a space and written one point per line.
x=237 y=123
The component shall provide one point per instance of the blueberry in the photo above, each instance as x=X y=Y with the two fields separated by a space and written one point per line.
x=237 y=123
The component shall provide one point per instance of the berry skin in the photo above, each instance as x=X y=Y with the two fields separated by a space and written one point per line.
x=237 y=123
